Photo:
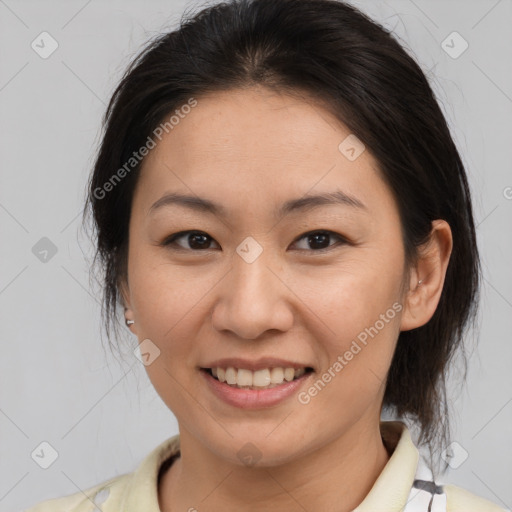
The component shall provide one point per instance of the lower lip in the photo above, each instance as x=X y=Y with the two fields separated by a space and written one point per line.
x=253 y=398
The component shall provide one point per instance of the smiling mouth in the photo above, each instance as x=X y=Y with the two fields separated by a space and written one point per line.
x=266 y=378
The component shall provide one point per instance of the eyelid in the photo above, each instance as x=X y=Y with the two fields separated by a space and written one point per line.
x=341 y=240
x=169 y=242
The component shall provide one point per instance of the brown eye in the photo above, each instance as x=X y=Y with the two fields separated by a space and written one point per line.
x=196 y=240
x=319 y=240
x=316 y=241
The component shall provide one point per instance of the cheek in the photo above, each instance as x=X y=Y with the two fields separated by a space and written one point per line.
x=363 y=333
x=358 y=360
x=172 y=307
x=167 y=303
x=360 y=310
x=164 y=294
x=352 y=294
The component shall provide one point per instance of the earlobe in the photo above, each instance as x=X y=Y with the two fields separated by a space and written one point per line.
x=128 y=313
x=128 y=319
x=427 y=279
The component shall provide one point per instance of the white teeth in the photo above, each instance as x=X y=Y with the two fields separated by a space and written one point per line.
x=289 y=373
x=231 y=375
x=276 y=375
x=259 y=379
x=245 y=378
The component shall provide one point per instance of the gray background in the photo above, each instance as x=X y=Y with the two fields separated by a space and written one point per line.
x=57 y=382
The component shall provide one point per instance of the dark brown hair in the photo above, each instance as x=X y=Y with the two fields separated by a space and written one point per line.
x=356 y=67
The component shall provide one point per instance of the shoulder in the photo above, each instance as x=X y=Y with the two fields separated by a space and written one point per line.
x=461 y=500
x=136 y=491
x=105 y=496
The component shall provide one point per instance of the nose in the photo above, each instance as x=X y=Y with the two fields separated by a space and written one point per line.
x=253 y=299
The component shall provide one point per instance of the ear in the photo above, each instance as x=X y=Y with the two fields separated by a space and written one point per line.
x=125 y=295
x=422 y=299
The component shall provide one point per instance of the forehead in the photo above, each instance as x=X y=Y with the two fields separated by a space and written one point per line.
x=254 y=143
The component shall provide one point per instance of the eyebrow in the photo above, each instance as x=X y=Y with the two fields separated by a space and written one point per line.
x=302 y=204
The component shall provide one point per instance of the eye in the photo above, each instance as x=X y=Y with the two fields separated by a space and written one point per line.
x=199 y=240
x=320 y=239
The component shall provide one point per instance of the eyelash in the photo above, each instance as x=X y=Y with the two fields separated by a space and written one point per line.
x=170 y=241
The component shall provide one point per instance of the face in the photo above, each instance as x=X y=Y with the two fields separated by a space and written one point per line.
x=258 y=285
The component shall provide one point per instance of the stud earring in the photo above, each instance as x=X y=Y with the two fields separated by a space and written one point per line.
x=129 y=322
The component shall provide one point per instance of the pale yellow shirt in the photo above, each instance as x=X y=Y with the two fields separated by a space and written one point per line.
x=138 y=491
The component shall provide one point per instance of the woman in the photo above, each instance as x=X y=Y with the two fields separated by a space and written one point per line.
x=284 y=217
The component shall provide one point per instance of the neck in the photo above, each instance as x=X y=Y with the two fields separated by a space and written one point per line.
x=336 y=477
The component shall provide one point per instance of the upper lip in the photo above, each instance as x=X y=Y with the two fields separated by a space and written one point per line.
x=258 y=364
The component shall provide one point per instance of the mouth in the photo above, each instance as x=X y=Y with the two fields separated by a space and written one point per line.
x=264 y=378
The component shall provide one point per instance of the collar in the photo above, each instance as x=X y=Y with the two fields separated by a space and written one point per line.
x=389 y=492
